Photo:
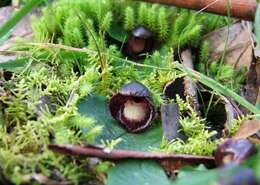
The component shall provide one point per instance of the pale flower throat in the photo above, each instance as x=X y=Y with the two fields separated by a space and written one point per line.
x=134 y=111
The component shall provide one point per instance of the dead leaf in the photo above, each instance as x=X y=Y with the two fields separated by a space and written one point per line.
x=258 y=97
x=5 y=14
x=22 y=30
x=247 y=129
x=239 y=50
x=258 y=72
x=251 y=89
x=257 y=85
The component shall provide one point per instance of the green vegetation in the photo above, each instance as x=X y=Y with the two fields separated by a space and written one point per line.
x=75 y=54
x=199 y=140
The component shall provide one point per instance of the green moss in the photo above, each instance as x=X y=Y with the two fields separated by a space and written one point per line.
x=29 y=124
x=199 y=139
x=173 y=26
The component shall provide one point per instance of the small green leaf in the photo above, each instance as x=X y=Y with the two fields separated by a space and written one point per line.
x=137 y=172
x=14 y=64
x=17 y=17
x=97 y=107
x=117 y=33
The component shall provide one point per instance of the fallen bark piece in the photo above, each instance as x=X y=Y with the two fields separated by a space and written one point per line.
x=190 y=88
x=184 y=87
x=170 y=115
x=243 y=9
x=169 y=161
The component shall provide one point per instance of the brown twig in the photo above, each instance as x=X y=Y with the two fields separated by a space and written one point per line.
x=190 y=88
x=169 y=161
x=242 y=9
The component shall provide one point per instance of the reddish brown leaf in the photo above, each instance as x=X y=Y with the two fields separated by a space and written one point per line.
x=248 y=129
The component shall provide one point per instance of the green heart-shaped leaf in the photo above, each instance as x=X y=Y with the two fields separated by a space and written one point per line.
x=97 y=107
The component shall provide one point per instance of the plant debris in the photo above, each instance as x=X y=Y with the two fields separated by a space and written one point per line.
x=247 y=129
x=170 y=161
x=236 y=41
x=170 y=115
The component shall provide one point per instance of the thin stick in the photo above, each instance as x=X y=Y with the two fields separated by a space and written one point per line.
x=104 y=153
x=242 y=9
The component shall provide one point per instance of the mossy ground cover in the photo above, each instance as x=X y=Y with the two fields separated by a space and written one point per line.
x=77 y=54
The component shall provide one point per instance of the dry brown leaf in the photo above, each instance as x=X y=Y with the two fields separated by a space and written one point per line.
x=247 y=129
x=258 y=97
x=239 y=45
x=258 y=81
x=22 y=30
x=258 y=71
x=252 y=88
x=5 y=14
